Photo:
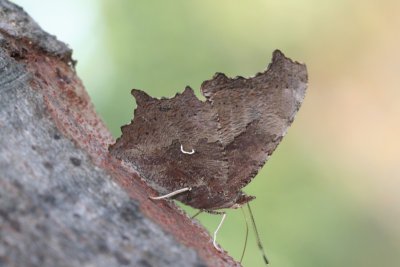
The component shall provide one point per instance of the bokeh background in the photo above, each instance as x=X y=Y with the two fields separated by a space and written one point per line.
x=329 y=196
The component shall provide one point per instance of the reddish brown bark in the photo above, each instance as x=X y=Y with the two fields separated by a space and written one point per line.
x=64 y=200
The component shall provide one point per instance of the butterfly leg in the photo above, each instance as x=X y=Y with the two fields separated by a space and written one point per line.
x=197 y=213
x=216 y=231
x=219 y=226
x=176 y=192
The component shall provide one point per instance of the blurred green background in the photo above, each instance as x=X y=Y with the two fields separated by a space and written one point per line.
x=329 y=196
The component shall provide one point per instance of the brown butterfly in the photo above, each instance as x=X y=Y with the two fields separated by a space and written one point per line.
x=203 y=153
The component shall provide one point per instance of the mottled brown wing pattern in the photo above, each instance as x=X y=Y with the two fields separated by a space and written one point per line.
x=232 y=134
x=152 y=144
x=254 y=115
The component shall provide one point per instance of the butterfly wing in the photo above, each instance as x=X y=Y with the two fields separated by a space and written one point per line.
x=232 y=134
x=254 y=115
x=174 y=143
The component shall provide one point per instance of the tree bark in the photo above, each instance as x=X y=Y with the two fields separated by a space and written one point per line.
x=63 y=200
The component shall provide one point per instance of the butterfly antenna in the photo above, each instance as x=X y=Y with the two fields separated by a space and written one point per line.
x=259 y=244
x=247 y=234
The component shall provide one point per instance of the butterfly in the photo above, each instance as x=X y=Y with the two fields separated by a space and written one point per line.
x=203 y=153
x=214 y=147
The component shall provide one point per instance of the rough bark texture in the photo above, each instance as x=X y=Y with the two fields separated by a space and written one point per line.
x=63 y=200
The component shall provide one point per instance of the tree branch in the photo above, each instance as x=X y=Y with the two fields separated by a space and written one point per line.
x=63 y=200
